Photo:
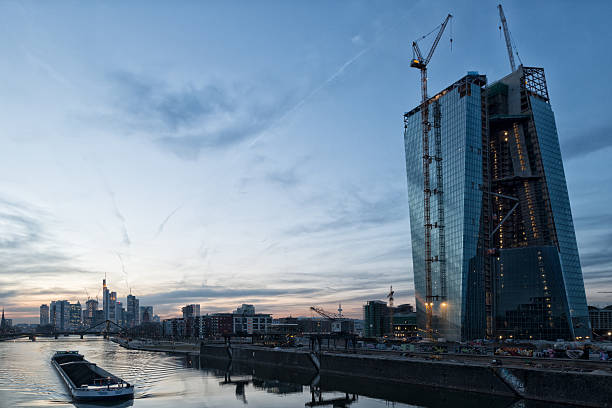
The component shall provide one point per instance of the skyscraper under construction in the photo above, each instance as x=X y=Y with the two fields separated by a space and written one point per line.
x=494 y=220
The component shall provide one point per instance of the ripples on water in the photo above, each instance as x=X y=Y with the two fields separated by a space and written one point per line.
x=27 y=379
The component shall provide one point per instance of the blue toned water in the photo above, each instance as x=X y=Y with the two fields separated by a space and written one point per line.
x=27 y=379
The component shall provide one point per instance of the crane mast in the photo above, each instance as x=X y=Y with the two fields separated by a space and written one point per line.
x=421 y=63
x=502 y=17
x=390 y=297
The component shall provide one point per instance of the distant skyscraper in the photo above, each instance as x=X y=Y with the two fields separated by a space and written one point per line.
x=75 y=315
x=3 y=322
x=44 y=315
x=105 y=300
x=112 y=306
x=504 y=255
x=59 y=314
x=91 y=306
x=99 y=316
x=146 y=314
x=191 y=311
x=119 y=313
x=376 y=318
x=133 y=307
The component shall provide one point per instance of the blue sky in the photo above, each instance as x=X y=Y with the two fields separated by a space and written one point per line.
x=228 y=152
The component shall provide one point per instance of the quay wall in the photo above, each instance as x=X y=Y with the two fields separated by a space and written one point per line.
x=475 y=378
x=593 y=388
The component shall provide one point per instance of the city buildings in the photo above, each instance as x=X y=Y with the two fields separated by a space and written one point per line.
x=601 y=320
x=376 y=319
x=112 y=307
x=504 y=260
x=105 y=300
x=245 y=320
x=75 y=315
x=145 y=314
x=59 y=314
x=89 y=314
x=192 y=320
x=4 y=323
x=221 y=324
x=190 y=311
x=120 y=313
x=133 y=309
x=44 y=315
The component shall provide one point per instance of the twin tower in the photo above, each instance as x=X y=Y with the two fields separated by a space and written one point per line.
x=507 y=265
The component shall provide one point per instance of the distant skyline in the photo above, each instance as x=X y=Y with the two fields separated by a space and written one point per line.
x=222 y=153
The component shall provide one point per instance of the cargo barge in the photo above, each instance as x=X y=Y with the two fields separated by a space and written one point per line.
x=88 y=382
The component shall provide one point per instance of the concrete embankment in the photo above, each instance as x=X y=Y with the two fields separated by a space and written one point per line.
x=586 y=387
x=162 y=346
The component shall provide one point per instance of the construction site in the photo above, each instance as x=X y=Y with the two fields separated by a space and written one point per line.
x=493 y=244
x=494 y=254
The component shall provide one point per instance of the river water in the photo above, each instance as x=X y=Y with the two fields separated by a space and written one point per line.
x=27 y=379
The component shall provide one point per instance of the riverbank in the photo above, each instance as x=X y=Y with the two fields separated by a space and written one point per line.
x=585 y=383
x=159 y=346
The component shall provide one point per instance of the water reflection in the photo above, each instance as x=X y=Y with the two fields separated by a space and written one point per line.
x=114 y=404
x=27 y=379
x=343 y=391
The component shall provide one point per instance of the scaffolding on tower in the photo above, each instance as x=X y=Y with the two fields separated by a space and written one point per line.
x=421 y=63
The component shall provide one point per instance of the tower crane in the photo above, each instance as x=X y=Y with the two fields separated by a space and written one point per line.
x=390 y=297
x=324 y=313
x=421 y=64
x=335 y=319
x=509 y=46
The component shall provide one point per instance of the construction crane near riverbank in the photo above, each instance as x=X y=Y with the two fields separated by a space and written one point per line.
x=421 y=64
x=337 y=319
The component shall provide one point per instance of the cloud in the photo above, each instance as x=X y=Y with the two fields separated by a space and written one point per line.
x=7 y=294
x=188 y=119
x=355 y=210
x=357 y=39
x=160 y=229
x=285 y=178
x=589 y=142
x=26 y=248
x=125 y=237
x=17 y=230
x=220 y=292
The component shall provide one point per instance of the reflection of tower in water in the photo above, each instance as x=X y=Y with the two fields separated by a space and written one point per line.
x=317 y=399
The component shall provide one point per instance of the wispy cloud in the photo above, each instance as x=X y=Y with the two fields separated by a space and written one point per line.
x=358 y=210
x=187 y=119
x=26 y=247
x=595 y=139
x=220 y=292
x=125 y=237
x=160 y=229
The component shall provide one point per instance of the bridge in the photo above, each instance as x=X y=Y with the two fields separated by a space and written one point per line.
x=99 y=329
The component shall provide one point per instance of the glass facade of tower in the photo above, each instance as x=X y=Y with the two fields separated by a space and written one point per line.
x=548 y=139
x=512 y=263
x=461 y=129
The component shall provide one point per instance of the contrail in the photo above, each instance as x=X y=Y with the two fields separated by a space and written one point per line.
x=123 y=270
x=333 y=77
x=160 y=229
x=126 y=237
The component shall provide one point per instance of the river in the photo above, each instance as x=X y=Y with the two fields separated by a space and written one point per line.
x=27 y=379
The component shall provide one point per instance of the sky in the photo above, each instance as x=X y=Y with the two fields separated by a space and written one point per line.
x=252 y=152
